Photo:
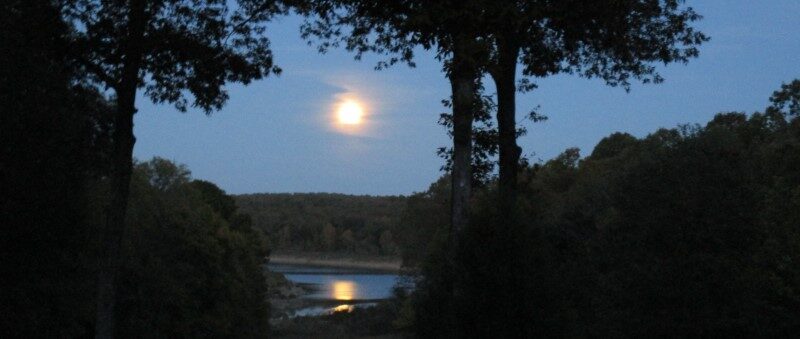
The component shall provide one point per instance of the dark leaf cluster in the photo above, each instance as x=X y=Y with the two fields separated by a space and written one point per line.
x=188 y=47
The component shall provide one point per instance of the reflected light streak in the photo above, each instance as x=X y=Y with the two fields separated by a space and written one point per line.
x=343 y=308
x=344 y=290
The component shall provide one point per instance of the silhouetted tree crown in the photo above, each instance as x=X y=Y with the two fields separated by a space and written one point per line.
x=183 y=46
x=170 y=48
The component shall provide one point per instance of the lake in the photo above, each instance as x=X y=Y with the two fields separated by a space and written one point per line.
x=338 y=289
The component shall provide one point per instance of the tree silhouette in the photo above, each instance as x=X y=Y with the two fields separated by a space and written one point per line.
x=171 y=48
x=612 y=40
x=786 y=101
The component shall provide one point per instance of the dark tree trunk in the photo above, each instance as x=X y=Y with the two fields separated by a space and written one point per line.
x=462 y=78
x=462 y=75
x=510 y=235
x=120 y=178
x=121 y=168
x=504 y=76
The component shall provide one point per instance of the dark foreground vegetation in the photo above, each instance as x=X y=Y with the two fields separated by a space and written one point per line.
x=383 y=320
x=687 y=232
x=191 y=266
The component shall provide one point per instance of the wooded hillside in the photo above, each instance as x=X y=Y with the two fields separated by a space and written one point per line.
x=326 y=222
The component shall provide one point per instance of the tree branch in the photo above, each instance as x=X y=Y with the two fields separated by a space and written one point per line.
x=99 y=72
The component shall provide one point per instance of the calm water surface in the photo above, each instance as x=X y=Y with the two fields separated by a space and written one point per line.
x=348 y=288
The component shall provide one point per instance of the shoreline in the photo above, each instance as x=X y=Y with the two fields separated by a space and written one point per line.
x=386 y=264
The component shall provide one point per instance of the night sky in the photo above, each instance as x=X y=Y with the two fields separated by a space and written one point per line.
x=277 y=134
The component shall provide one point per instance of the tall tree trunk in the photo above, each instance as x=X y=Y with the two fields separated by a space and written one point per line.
x=462 y=75
x=510 y=235
x=504 y=75
x=121 y=168
x=462 y=78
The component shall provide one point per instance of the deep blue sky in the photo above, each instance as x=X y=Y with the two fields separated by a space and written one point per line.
x=275 y=135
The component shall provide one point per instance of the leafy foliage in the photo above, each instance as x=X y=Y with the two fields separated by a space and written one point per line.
x=689 y=231
x=187 y=47
x=787 y=99
x=484 y=139
x=200 y=269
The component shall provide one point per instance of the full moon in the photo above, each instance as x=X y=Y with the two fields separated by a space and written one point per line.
x=350 y=113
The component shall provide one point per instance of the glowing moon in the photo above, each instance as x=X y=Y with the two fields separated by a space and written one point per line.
x=350 y=113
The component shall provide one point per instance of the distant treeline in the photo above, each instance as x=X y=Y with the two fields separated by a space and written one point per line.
x=327 y=222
